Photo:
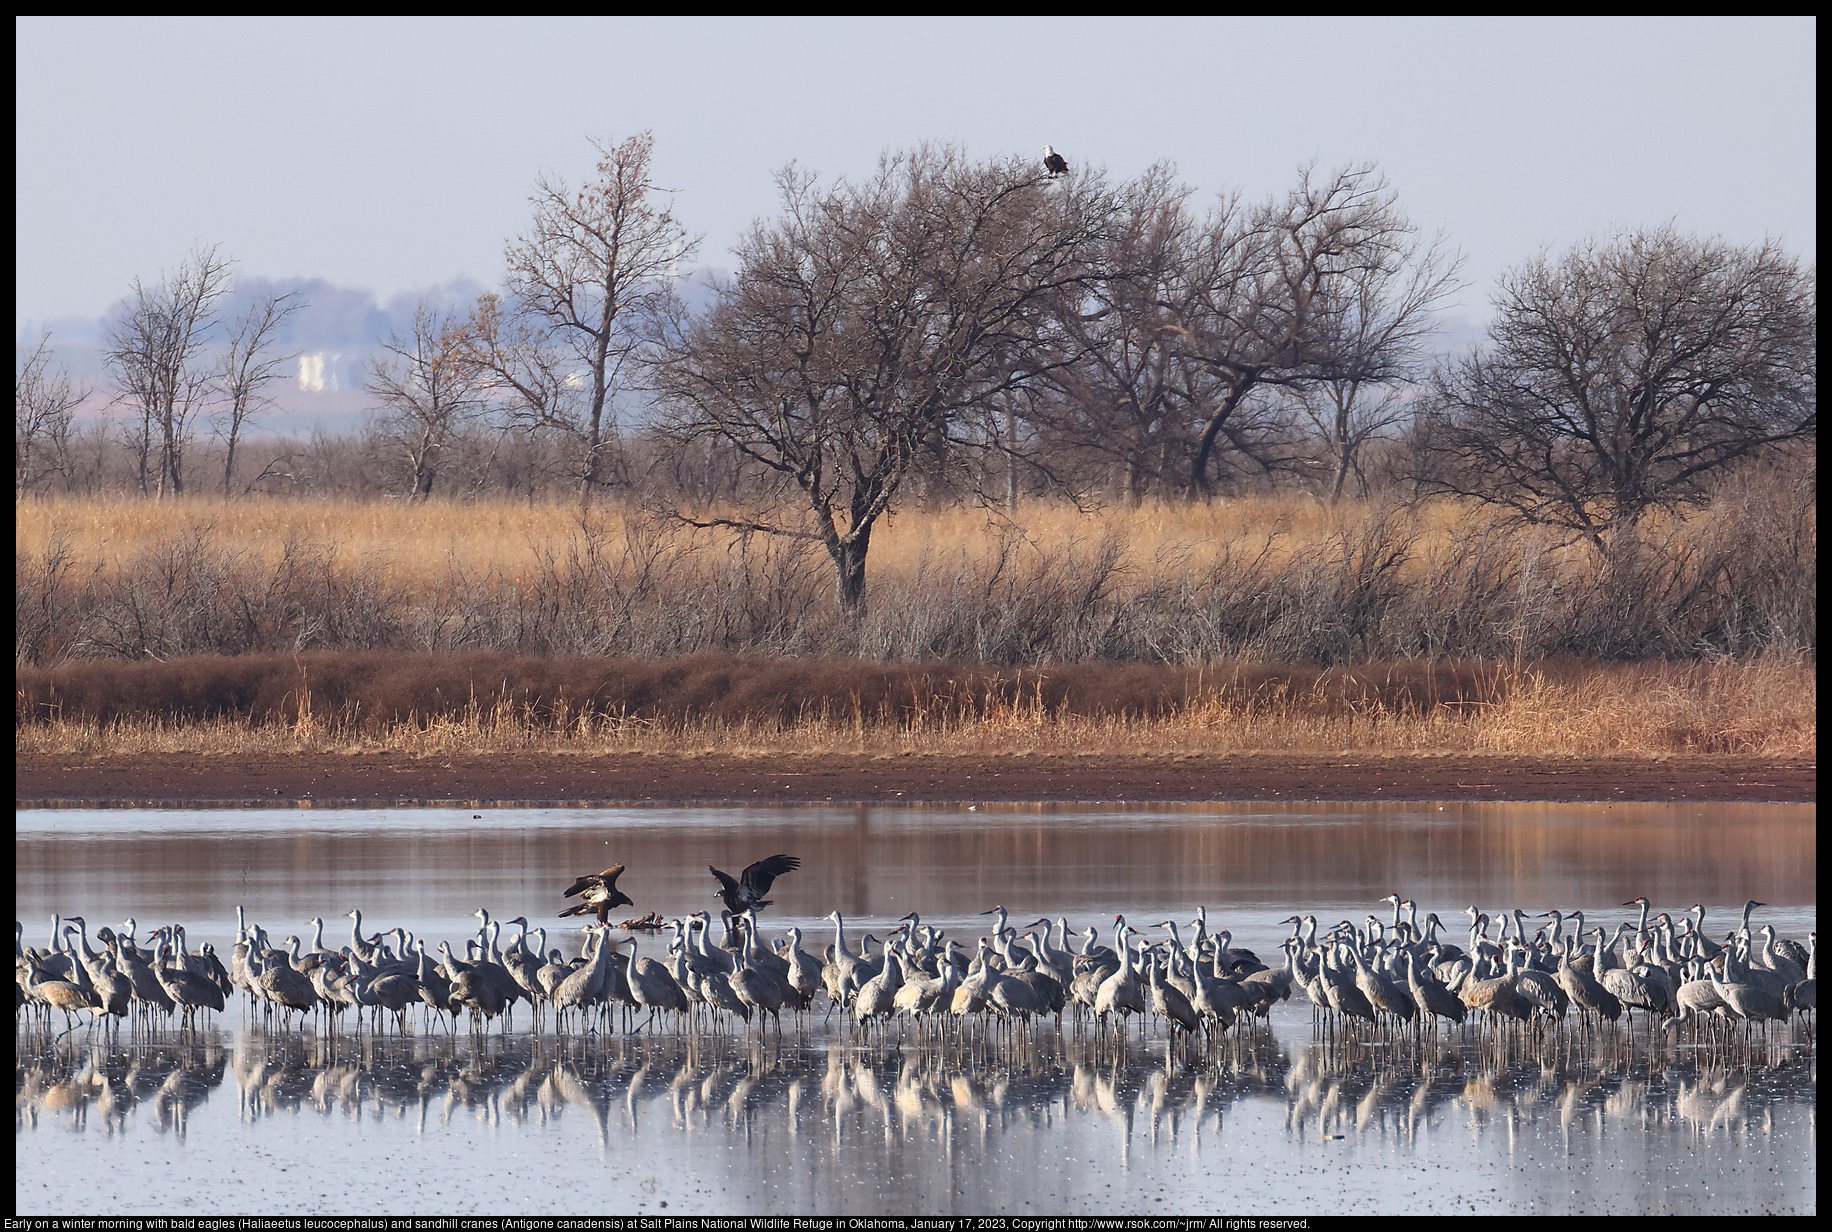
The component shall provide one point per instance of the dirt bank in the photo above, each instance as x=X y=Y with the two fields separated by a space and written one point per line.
x=545 y=778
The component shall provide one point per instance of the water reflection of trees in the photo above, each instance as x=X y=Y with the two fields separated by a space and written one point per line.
x=625 y=1084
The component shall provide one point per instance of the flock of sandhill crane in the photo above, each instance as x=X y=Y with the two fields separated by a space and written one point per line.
x=1392 y=974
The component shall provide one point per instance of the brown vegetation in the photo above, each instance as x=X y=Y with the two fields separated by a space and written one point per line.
x=486 y=703
x=1264 y=580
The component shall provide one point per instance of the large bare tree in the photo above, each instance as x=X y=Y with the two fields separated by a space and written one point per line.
x=1271 y=288
x=1621 y=376
x=594 y=264
x=873 y=321
x=1126 y=391
x=155 y=353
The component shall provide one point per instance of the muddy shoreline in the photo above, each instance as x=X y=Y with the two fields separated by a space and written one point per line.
x=577 y=779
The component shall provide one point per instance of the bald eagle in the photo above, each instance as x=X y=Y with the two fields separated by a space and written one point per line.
x=1053 y=163
x=601 y=894
x=746 y=891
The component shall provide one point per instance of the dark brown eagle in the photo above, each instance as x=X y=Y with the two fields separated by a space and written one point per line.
x=601 y=894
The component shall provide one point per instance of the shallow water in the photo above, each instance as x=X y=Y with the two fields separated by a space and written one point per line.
x=237 y=1120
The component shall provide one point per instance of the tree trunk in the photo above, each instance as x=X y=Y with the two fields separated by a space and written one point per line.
x=1345 y=461
x=1205 y=445
x=229 y=462
x=593 y=441
x=849 y=566
x=1011 y=462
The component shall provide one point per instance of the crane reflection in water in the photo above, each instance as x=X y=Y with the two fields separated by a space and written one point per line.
x=619 y=1083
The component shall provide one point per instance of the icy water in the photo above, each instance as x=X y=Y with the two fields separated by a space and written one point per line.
x=236 y=1120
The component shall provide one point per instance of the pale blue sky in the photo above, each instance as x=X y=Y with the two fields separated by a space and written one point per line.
x=395 y=154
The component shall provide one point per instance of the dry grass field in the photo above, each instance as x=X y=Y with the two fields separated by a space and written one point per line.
x=1276 y=580
x=1272 y=624
x=410 y=542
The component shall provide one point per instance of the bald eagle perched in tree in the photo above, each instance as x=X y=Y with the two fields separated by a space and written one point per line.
x=1053 y=163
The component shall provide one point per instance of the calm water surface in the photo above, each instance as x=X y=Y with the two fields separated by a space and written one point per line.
x=236 y=1120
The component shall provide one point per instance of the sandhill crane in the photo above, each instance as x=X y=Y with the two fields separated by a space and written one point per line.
x=1015 y=996
x=275 y=981
x=651 y=986
x=1169 y=1003
x=804 y=972
x=1382 y=993
x=1337 y=983
x=1542 y=991
x=584 y=988
x=1497 y=997
x=878 y=997
x=1216 y=996
x=111 y=989
x=146 y=987
x=970 y=996
x=1770 y=957
x=187 y=989
x=1585 y=991
x=434 y=985
x=1120 y=993
x=847 y=970
x=1748 y=1002
x=1429 y=995
x=1636 y=990
x=475 y=990
x=58 y=994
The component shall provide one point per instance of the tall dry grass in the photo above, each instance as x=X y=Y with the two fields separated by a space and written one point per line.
x=1281 y=580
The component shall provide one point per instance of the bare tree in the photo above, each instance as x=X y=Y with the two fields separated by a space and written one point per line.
x=429 y=387
x=1381 y=345
x=1271 y=285
x=1623 y=375
x=873 y=321
x=248 y=367
x=595 y=262
x=154 y=352
x=1126 y=389
x=44 y=407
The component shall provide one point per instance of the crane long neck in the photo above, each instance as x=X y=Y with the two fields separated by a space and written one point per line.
x=82 y=936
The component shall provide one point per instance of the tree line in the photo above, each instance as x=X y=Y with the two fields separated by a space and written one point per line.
x=949 y=328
